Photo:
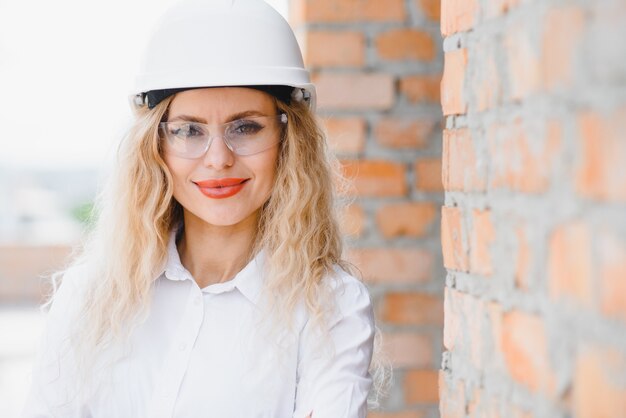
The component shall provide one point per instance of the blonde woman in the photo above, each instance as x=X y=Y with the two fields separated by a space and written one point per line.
x=213 y=283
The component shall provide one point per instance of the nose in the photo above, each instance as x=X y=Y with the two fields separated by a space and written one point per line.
x=218 y=156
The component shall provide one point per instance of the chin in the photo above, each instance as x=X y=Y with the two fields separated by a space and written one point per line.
x=221 y=217
x=222 y=222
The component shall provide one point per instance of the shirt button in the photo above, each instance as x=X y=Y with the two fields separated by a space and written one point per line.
x=182 y=347
x=197 y=300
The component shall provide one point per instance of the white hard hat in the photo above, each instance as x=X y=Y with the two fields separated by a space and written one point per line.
x=210 y=43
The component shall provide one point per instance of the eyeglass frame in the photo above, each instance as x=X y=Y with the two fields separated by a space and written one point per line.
x=164 y=136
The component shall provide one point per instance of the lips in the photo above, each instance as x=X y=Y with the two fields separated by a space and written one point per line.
x=221 y=188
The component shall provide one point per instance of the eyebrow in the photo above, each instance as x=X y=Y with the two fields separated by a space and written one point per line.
x=235 y=116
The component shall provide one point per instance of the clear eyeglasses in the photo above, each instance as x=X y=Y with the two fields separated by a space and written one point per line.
x=245 y=136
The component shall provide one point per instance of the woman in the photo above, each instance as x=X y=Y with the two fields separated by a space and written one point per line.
x=212 y=283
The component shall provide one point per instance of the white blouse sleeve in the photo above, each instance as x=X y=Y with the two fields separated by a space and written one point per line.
x=338 y=387
x=50 y=394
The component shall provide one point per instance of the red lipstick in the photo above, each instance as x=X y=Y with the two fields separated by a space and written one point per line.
x=221 y=188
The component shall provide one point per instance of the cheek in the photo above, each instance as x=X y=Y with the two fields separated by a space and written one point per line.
x=178 y=169
x=267 y=171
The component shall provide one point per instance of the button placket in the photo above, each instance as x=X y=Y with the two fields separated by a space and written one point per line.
x=180 y=354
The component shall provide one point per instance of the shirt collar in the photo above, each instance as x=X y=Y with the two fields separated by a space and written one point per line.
x=248 y=281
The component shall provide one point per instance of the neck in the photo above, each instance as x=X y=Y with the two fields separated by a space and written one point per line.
x=215 y=254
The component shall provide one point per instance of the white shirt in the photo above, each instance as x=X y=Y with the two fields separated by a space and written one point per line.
x=198 y=355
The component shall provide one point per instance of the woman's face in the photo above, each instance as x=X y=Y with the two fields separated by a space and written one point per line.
x=222 y=188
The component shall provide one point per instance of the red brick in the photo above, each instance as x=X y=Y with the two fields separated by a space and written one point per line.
x=355 y=91
x=598 y=384
x=298 y=13
x=494 y=8
x=460 y=170
x=484 y=404
x=483 y=235
x=611 y=252
x=411 y=308
x=404 y=133
x=393 y=265
x=405 y=44
x=421 y=88
x=406 y=219
x=522 y=264
x=453 y=83
x=604 y=22
x=353 y=220
x=346 y=135
x=512 y=411
x=430 y=8
x=563 y=28
x=517 y=163
x=347 y=11
x=486 y=84
x=457 y=15
x=525 y=346
x=421 y=387
x=515 y=411
x=376 y=178
x=601 y=173
x=453 y=309
x=408 y=349
x=495 y=314
x=474 y=315
x=452 y=396
x=428 y=175
x=524 y=61
x=569 y=263
x=465 y=323
x=476 y=404
x=453 y=239
x=348 y=49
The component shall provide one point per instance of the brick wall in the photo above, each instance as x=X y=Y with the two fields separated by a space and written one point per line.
x=377 y=66
x=534 y=224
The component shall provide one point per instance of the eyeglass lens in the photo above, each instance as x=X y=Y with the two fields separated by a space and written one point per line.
x=245 y=136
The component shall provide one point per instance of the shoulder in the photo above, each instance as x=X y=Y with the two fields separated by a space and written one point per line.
x=73 y=280
x=339 y=298
x=346 y=285
x=68 y=291
x=351 y=295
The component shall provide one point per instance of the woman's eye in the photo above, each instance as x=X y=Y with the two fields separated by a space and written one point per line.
x=186 y=131
x=245 y=128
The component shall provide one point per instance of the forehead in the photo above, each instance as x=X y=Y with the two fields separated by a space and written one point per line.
x=216 y=104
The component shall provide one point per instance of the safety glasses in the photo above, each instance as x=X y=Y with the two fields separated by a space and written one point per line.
x=246 y=136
